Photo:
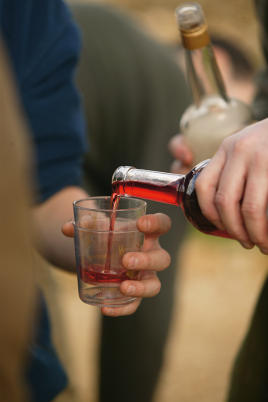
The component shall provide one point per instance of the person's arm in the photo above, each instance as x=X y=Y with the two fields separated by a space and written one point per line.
x=45 y=71
x=233 y=188
x=44 y=54
x=49 y=217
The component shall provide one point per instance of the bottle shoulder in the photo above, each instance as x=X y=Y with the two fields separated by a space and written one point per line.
x=215 y=115
x=215 y=107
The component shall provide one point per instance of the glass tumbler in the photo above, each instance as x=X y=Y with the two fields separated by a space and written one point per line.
x=99 y=249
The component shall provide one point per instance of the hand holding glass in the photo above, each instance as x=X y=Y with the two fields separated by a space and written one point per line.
x=99 y=250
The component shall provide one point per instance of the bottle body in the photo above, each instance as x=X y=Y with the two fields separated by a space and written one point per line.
x=213 y=115
x=167 y=188
x=204 y=127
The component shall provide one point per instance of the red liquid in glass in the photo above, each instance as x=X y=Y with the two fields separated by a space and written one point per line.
x=94 y=274
x=114 y=204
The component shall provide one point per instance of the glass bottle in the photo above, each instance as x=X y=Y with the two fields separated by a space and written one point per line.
x=169 y=188
x=213 y=115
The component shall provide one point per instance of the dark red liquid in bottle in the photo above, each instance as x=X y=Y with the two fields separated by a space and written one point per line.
x=181 y=192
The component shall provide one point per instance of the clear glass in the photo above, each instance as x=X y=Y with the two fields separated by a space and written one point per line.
x=99 y=250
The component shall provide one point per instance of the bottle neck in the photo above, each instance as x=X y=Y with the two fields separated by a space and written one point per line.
x=148 y=184
x=203 y=74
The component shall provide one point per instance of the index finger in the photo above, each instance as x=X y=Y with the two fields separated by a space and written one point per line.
x=206 y=187
x=154 y=224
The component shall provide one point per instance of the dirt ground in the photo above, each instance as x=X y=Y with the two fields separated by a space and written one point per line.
x=219 y=283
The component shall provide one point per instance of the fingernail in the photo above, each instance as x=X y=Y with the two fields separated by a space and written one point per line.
x=131 y=290
x=247 y=245
x=133 y=262
x=264 y=250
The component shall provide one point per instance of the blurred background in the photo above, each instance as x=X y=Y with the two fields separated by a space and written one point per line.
x=235 y=20
x=218 y=281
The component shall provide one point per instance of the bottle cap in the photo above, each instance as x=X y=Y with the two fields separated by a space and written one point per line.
x=192 y=25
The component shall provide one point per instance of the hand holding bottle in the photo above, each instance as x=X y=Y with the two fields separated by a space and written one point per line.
x=233 y=188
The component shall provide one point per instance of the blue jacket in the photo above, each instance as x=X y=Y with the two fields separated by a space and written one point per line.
x=43 y=44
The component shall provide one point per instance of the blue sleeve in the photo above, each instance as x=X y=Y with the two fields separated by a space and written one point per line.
x=44 y=46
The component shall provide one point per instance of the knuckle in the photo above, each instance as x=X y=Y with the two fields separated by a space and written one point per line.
x=140 y=289
x=260 y=154
x=144 y=222
x=241 y=144
x=146 y=261
x=250 y=209
x=226 y=142
x=150 y=223
x=221 y=200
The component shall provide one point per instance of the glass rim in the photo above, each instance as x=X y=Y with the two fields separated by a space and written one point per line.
x=106 y=197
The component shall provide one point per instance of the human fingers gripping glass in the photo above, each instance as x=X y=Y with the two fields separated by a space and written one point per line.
x=102 y=237
x=148 y=285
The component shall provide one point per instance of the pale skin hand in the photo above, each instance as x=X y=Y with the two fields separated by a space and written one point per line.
x=149 y=261
x=183 y=157
x=48 y=219
x=233 y=188
x=59 y=249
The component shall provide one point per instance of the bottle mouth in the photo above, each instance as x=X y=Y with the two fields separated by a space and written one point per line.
x=192 y=26
x=190 y=16
x=120 y=173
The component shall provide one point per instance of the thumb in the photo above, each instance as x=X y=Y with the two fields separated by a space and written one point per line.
x=68 y=228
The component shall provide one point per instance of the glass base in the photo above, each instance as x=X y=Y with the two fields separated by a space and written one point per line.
x=104 y=297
